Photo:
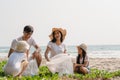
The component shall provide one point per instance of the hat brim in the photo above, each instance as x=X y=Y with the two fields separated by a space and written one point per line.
x=78 y=46
x=63 y=31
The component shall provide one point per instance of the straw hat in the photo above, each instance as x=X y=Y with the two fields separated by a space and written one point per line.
x=22 y=46
x=63 y=31
x=83 y=46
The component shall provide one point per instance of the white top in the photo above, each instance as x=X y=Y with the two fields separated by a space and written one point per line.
x=16 y=58
x=56 y=49
x=13 y=65
x=86 y=59
x=30 y=41
x=32 y=68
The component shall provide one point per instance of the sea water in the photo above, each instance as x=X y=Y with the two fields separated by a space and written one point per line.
x=94 y=51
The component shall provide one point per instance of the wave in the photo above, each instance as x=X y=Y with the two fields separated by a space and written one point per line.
x=103 y=51
x=104 y=54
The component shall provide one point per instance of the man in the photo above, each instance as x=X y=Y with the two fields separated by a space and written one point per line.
x=27 y=33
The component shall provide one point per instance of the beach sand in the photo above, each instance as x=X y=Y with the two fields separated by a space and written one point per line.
x=3 y=58
x=109 y=64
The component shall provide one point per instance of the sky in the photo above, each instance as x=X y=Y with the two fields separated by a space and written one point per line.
x=94 y=22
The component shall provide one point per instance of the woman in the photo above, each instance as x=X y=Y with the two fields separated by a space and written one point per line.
x=82 y=61
x=17 y=62
x=58 y=61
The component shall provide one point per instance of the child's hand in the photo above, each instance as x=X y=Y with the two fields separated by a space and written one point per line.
x=75 y=64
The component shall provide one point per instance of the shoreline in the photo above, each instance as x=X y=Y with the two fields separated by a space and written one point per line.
x=93 y=54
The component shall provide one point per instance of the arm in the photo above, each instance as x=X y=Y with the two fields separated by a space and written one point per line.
x=12 y=47
x=10 y=51
x=27 y=52
x=65 y=48
x=65 y=51
x=37 y=49
x=77 y=64
x=46 y=53
x=37 y=55
x=86 y=62
x=84 y=65
x=36 y=46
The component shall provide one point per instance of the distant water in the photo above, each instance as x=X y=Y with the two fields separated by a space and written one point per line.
x=94 y=51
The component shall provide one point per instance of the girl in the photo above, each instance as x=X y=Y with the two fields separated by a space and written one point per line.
x=17 y=61
x=82 y=61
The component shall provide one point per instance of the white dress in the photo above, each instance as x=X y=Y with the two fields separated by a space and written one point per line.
x=13 y=66
x=32 y=68
x=59 y=61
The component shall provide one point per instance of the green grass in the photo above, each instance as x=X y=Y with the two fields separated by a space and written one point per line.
x=45 y=74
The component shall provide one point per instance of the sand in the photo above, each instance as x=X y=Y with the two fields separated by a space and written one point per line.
x=109 y=64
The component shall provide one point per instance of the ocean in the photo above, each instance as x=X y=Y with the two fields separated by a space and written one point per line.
x=94 y=51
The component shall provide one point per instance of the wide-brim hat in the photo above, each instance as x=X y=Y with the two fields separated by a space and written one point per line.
x=22 y=46
x=63 y=31
x=83 y=46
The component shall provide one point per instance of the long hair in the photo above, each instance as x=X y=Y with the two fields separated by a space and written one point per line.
x=83 y=56
x=54 y=40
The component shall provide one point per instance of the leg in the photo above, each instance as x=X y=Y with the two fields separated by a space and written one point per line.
x=83 y=70
x=38 y=58
x=77 y=69
x=74 y=68
x=23 y=66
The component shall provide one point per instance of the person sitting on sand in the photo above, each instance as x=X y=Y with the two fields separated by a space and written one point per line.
x=59 y=61
x=34 y=59
x=82 y=60
x=17 y=61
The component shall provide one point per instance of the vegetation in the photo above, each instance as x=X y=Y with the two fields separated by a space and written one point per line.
x=45 y=74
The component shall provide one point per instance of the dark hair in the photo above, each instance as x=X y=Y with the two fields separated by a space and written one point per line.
x=28 y=29
x=54 y=40
x=83 y=55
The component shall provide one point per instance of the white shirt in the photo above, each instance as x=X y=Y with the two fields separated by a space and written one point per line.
x=56 y=49
x=86 y=59
x=30 y=41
